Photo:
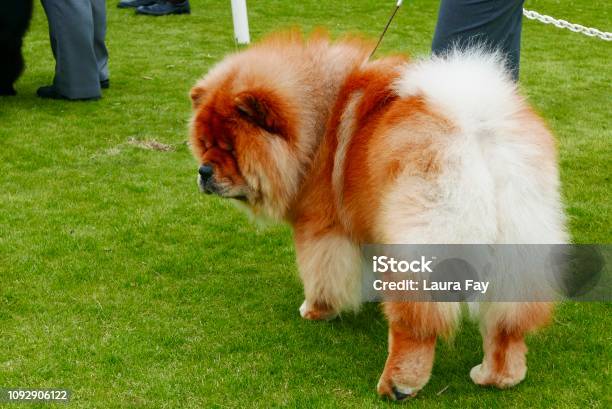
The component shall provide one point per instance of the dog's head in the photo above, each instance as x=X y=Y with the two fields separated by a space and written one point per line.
x=245 y=135
x=258 y=116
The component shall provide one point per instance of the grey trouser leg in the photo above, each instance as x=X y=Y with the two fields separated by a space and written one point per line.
x=99 y=16
x=497 y=23
x=77 y=29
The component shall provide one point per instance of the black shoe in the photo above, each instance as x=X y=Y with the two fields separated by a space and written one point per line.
x=124 y=4
x=163 y=8
x=104 y=84
x=7 y=91
x=49 y=92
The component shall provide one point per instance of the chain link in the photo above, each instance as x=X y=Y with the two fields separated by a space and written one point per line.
x=576 y=28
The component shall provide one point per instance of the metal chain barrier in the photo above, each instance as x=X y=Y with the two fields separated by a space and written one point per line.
x=576 y=28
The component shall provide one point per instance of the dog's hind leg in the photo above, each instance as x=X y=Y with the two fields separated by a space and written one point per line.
x=503 y=327
x=413 y=329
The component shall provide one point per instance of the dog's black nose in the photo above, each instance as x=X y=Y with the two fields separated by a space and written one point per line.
x=206 y=172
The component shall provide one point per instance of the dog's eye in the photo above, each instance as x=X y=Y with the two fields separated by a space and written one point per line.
x=207 y=143
x=225 y=146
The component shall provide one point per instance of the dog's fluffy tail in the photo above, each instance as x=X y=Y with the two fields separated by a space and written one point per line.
x=500 y=160
x=471 y=86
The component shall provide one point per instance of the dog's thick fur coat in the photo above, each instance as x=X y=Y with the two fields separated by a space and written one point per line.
x=350 y=151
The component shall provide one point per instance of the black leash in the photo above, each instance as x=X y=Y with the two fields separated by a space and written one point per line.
x=397 y=6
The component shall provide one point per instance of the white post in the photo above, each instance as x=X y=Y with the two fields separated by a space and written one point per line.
x=241 y=21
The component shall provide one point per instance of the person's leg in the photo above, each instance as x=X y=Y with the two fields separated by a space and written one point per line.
x=72 y=38
x=99 y=20
x=11 y=66
x=496 y=23
x=15 y=18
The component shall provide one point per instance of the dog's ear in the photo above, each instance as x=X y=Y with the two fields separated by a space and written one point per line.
x=258 y=108
x=196 y=94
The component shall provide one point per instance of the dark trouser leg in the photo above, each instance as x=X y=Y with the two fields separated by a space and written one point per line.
x=15 y=18
x=496 y=23
x=99 y=19
x=12 y=65
x=71 y=29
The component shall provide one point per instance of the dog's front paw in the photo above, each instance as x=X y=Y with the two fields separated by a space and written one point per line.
x=482 y=375
x=317 y=311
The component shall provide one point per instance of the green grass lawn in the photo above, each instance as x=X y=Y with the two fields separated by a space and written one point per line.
x=119 y=281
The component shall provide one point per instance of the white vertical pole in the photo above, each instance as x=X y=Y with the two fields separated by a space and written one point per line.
x=241 y=21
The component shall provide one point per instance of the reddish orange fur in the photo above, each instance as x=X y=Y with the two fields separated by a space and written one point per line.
x=313 y=209
x=420 y=319
x=504 y=343
x=269 y=120
x=410 y=356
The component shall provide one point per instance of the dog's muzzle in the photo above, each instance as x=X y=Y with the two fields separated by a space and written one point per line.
x=206 y=180
x=208 y=185
x=206 y=172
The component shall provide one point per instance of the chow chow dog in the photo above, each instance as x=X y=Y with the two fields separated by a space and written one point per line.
x=350 y=150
